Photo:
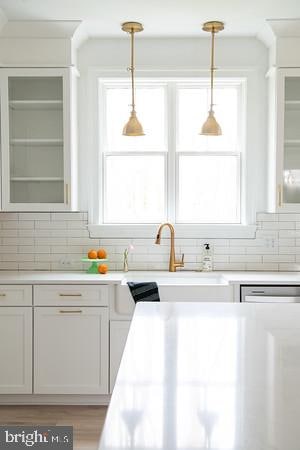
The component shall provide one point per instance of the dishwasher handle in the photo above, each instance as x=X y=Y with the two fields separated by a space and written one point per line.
x=270 y=299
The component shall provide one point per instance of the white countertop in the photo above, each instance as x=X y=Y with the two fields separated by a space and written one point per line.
x=208 y=376
x=163 y=277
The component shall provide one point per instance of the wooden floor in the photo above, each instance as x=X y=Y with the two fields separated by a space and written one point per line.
x=87 y=421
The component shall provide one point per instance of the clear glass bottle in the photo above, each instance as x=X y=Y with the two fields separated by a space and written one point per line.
x=207 y=259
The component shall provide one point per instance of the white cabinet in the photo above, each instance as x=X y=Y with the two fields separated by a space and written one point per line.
x=284 y=140
x=71 y=350
x=38 y=139
x=15 y=350
x=118 y=332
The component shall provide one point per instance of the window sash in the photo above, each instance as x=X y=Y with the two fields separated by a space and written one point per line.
x=171 y=153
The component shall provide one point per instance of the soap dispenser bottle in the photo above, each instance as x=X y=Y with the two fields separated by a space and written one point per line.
x=207 y=259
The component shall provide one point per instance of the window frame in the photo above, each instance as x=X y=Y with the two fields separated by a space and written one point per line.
x=245 y=229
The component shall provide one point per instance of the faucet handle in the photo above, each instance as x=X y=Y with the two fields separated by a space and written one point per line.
x=182 y=259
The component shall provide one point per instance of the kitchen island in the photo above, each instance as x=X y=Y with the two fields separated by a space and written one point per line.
x=208 y=376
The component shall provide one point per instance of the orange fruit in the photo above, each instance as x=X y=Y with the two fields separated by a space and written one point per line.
x=101 y=253
x=92 y=254
x=102 y=268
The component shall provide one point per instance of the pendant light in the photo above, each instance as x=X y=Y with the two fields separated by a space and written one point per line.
x=133 y=126
x=211 y=126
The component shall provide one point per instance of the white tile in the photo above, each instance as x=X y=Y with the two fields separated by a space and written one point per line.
x=34 y=266
x=50 y=241
x=288 y=242
x=58 y=233
x=50 y=225
x=288 y=250
x=9 y=265
x=289 y=217
x=245 y=258
x=80 y=216
x=278 y=258
x=76 y=224
x=247 y=242
x=263 y=266
x=278 y=225
x=34 y=216
x=8 y=249
x=34 y=248
x=289 y=233
x=9 y=233
x=157 y=250
x=9 y=216
x=229 y=266
x=27 y=233
x=10 y=224
x=262 y=250
x=68 y=249
x=266 y=217
x=289 y=267
x=266 y=234
x=21 y=257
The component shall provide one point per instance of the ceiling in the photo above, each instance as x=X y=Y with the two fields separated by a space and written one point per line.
x=176 y=18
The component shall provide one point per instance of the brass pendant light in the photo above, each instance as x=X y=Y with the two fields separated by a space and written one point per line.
x=133 y=126
x=211 y=126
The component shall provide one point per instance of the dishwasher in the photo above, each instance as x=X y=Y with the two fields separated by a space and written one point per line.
x=270 y=294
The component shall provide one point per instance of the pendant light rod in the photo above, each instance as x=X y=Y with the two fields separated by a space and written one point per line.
x=211 y=126
x=212 y=69
x=133 y=126
x=132 y=68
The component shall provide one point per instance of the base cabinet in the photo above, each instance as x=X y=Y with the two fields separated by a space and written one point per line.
x=70 y=347
x=15 y=350
x=118 y=333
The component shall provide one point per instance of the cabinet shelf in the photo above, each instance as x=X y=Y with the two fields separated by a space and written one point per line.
x=36 y=179
x=291 y=142
x=26 y=141
x=36 y=104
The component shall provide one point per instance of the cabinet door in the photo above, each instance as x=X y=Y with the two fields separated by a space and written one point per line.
x=15 y=350
x=35 y=136
x=71 y=350
x=118 y=331
x=288 y=140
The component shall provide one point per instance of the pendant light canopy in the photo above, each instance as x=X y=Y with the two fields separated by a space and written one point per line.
x=211 y=126
x=133 y=126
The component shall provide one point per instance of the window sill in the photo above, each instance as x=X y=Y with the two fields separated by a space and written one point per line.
x=221 y=231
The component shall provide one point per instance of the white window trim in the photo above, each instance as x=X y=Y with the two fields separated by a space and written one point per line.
x=245 y=230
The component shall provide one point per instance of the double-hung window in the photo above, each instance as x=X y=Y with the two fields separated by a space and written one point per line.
x=171 y=173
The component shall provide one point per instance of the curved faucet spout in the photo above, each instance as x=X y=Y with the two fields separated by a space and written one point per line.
x=173 y=264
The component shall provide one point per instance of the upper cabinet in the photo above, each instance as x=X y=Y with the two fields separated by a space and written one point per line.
x=38 y=141
x=284 y=140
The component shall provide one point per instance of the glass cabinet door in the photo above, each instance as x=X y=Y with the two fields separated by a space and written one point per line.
x=36 y=151
x=291 y=141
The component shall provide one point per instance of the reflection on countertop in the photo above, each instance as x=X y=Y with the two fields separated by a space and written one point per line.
x=208 y=376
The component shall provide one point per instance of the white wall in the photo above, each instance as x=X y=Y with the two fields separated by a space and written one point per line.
x=246 y=57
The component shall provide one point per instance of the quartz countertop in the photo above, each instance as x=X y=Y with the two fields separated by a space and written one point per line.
x=208 y=376
x=43 y=277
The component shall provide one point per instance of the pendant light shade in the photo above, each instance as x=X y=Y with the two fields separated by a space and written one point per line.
x=211 y=126
x=133 y=127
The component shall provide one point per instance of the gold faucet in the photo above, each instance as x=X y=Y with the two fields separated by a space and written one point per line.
x=173 y=264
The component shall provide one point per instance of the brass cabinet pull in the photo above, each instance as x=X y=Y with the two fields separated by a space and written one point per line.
x=67 y=193
x=280 y=195
x=2 y=295
x=76 y=311
x=70 y=295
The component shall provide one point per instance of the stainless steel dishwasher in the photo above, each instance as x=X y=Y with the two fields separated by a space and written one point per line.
x=270 y=294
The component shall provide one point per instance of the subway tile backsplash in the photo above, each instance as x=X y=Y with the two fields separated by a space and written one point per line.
x=58 y=241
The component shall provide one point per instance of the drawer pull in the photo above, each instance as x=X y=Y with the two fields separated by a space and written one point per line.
x=2 y=295
x=70 y=295
x=76 y=311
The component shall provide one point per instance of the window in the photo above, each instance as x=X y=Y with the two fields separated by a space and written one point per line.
x=171 y=173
